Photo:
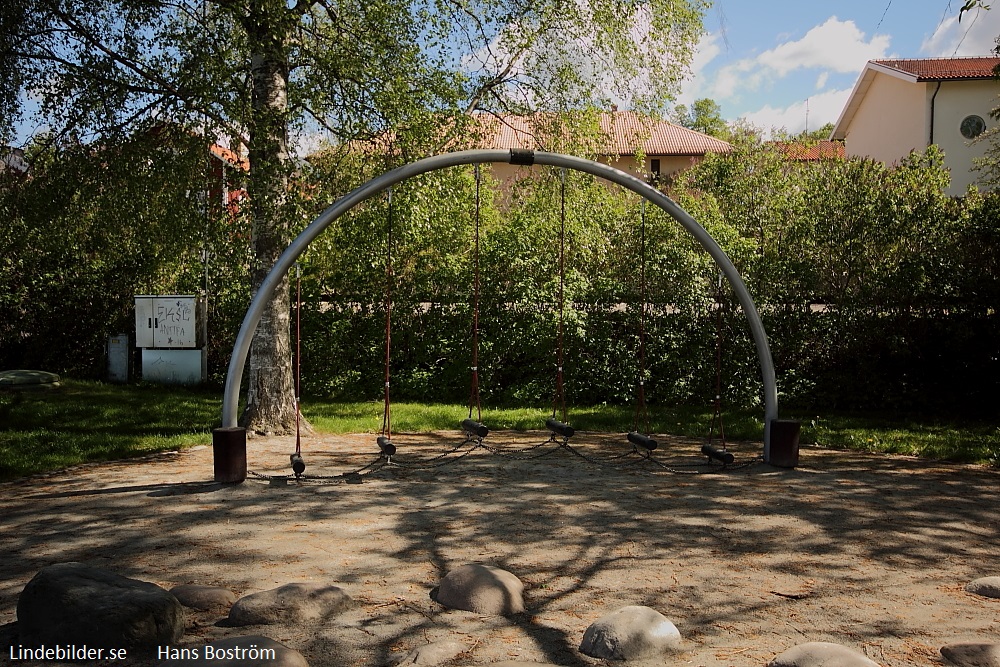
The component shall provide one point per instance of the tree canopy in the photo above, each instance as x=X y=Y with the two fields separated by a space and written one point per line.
x=261 y=71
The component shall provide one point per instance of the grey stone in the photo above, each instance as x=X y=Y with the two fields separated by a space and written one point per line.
x=72 y=603
x=482 y=589
x=821 y=654
x=972 y=655
x=290 y=604
x=225 y=653
x=630 y=633
x=434 y=653
x=205 y=598
x=988 y=587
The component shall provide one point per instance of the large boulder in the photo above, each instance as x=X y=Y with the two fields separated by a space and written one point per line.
x=821 y=654
x=630 y=633
x=249 y=651
x=988 y=587
x=290 y=604
x=72 y=603
x=482 y=589
x=204 y=598
x=432 y=654
x=972 y=655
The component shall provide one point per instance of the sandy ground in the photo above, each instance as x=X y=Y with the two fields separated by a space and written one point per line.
x=871 y=552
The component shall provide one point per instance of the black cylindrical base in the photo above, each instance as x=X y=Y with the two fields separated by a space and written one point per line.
x=472 y=427
x=641 y=440
x=229 y=450
x=559 y=428
x=385 y=444
x=784 y=450
x=720 y=455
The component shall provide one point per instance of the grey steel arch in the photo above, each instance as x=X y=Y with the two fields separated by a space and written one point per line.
x=230 y=401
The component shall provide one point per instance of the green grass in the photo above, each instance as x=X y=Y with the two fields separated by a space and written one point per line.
x=86 y=421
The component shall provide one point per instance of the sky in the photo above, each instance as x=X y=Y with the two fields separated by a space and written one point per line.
x=792 y=64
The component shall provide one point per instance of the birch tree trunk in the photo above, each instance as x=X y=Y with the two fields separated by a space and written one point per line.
x=271 y=403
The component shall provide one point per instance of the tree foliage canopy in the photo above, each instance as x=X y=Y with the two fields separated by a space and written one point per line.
x=256 y=70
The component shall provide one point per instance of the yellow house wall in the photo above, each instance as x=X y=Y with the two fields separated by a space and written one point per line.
x=891 y=122
x=955 y=101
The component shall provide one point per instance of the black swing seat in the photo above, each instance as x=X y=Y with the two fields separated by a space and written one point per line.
x=559 y=428
x=641 y=440
x=472 y=427
x=719 y=455
x=385 y=444
x=298 y=465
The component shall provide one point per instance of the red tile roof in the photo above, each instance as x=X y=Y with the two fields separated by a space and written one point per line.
x=811 y=151
x=944 y=69
x=231 y=157
x=625 y=133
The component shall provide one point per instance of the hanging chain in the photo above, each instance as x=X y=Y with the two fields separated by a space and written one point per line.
x=298 y=358
x=474 y=400
x=387 y=406
x=559 y=402
x=717 y=413
x=641 y=385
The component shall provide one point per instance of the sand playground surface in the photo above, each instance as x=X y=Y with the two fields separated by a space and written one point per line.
x=871 y=552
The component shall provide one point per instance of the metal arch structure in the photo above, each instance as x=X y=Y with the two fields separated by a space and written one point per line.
x=381 y=183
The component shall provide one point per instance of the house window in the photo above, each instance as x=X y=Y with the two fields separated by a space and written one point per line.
x=654 y=167
x=972 y=126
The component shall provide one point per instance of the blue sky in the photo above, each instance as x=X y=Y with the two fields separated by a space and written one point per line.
x=761 y=61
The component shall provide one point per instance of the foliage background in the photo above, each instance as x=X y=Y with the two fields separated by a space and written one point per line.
x=877 y=291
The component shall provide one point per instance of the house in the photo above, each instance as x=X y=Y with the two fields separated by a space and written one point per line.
x=634 y=143
x=900 y=106
x=655 y=150
x=12 y=161
x=227 y=177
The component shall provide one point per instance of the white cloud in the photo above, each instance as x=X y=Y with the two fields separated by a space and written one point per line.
x=975 y=35
x=834 y=45
x=704 y=53
x=822 y=109
x=821 y=80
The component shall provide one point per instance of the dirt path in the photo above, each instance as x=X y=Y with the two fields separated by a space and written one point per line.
x=867 y=551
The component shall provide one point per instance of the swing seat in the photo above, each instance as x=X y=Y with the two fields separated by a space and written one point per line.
x=472 y=427
x=717 y=454
x=298 y=465
x=641 y=440
x=559 y=428
x=385 y=444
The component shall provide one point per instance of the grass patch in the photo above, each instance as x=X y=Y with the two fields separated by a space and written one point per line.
x=87 y=421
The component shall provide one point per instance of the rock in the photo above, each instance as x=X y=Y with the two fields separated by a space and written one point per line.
x=72 y=603
x=988 y=587
x=249 y=651
x=972 y=655
x=821 y=654
x=434 y=653
x=482 y=589
x=630 y=633
x=204 y=598
x=290 y=604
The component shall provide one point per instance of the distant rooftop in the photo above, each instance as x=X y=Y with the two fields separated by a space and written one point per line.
x=627 y=132
x=811 y=151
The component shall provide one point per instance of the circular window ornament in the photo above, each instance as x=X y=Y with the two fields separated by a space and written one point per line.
x=972 y=126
